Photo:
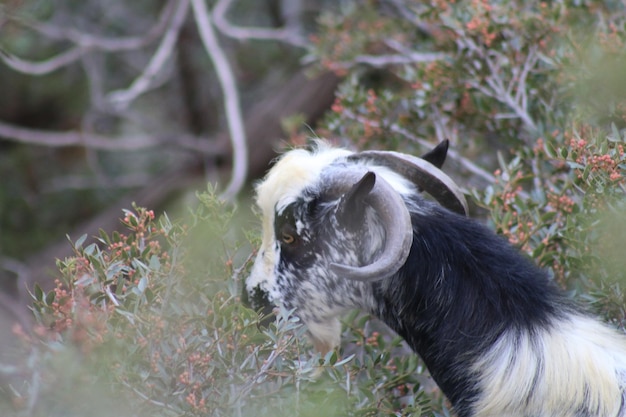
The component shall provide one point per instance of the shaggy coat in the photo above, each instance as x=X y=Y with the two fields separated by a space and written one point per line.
x=498 y=337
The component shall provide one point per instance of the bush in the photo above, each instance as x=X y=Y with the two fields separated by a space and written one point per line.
x=532 y=91
x=138 y=327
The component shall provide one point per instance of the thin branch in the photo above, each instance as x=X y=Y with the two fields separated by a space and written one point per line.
x=495 y=87
x=245 y=389
x=531 y=60
x=466 y=163
x=42 y=67
x=122 y=98
x=94 y=80
x=398 y=59
x=287 y=35
x=13 y=265
x=147 y=398
x=236 y=275
x=440 y=122
x=231 y=99
x=75 y=182
x=103 y=43
x=84 y=42
x=94 y=141
x=404 y=55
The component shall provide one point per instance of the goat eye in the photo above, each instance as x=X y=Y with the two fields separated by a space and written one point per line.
x=287 y=238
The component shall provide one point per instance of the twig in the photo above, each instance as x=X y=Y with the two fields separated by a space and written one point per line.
x=495 y=87
x=231 y=99
x=122 y=98
x=287 y=35
x=75 y=182
x=13 y=265
x=531 y=61
x=99 y=142
x=398 y=59
x=237 y=272
x=107 y=291
x=84 y=43
x=267 y=364
x=466 y=163
x=148 y=399
x=103 y=43
x=42 y=67
x=35 y=386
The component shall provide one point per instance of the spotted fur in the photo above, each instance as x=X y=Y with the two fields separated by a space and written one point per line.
x=499 y=338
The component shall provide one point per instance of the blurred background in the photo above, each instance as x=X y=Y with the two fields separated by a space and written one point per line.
x=104 y=103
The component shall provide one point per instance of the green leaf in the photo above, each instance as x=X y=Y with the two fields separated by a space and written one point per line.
x=345 y=360
x=90 y=249
x=104 y=237
x=50 y=297
x=331 y=358
x=143 y=284
x=80 y=241
x=155 y=263
x=38 y=293
x=574 y=165
x=614 y=136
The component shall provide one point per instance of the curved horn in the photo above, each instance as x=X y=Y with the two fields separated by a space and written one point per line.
x=396 y=221
x=422 y=173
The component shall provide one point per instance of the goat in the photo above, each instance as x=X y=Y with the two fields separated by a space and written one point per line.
x=344 y=230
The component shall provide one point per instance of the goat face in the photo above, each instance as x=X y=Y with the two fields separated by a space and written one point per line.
x=332 y=220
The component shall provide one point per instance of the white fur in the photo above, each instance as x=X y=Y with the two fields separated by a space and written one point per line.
x=284 y=183
x=577 y=364
x=294 y=171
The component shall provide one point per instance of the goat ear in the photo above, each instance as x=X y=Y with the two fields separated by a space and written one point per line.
x=352 y=205
x=437 y=155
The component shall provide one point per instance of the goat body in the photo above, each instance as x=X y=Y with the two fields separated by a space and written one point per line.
x=498 y=337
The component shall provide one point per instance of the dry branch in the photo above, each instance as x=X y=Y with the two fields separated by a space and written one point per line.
x=53 y=139
x=286 y=35
x=84 y=43
x=232 y=107
x=300 y=94
x=121 y=99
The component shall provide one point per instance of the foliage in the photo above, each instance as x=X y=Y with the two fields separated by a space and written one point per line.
x=66 y=71
x=136 y=321
x=533 y=90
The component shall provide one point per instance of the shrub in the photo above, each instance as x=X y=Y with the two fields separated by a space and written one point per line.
x=533 y=91
x=137 y=326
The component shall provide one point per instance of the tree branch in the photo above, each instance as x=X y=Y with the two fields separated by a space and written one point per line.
x=231 y=99
x=85 y=43
x=287 y=35
x=42 y=67
x=121 y=99
x=495 y=87
x=94 y=141
x=90 y=41
x=398 y=59
x=466 y=163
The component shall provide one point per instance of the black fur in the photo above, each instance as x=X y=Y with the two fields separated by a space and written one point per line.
x=461 y=287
